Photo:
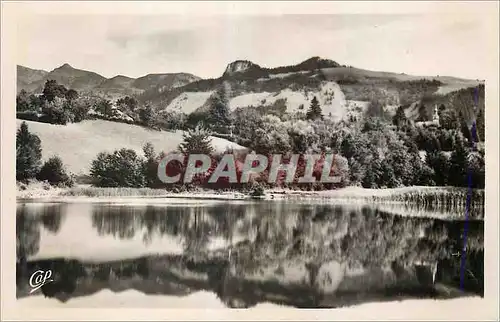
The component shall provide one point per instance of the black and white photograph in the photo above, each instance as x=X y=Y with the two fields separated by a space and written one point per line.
x=278 y=161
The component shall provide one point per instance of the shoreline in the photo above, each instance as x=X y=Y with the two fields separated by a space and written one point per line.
x=87 y=193
x=179 y=198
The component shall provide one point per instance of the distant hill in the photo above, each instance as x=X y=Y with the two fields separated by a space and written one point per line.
x=29 y=79
x=165 y=81
x=119 y=81
x=74 y=78
x=81 y=80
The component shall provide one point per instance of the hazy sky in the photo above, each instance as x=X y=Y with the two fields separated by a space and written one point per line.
x=204 y=45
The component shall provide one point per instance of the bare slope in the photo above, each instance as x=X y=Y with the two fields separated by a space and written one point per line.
x=79 y=143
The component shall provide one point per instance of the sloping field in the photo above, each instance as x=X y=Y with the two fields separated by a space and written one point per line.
x=79 y=143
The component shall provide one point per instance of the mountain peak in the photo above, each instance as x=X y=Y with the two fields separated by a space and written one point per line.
x=319 y=62
x=66 y=66
x=120 y=77
x=239 y=66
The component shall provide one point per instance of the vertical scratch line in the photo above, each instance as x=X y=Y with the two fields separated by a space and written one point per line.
x=469 y=192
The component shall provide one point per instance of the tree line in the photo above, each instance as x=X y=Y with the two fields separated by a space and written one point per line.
x=374 y=151
x=381 y=152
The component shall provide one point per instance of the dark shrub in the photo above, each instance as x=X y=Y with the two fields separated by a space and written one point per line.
x=53 y=172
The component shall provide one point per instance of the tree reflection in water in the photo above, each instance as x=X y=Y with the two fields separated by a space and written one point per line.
x=29 y=220
x=293 y=254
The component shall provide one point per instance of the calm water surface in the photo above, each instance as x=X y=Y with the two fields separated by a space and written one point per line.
x=246 y=253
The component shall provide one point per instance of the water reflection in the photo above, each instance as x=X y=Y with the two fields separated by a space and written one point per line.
x=29 y=220
x=294 y=254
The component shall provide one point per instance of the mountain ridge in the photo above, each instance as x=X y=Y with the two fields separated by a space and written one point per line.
x=339 y=88
x=315 y=62
x=33 y=80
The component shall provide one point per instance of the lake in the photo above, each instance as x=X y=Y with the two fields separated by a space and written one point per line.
x=245 y=253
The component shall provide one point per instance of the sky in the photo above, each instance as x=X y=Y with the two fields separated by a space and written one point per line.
x=136 y=45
